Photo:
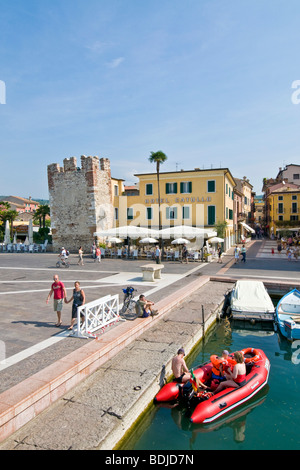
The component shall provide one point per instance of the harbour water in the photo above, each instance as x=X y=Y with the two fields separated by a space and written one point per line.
x=269 y=421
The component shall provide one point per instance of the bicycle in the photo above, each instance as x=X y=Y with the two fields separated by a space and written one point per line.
x=129 y=303
x=63 y=263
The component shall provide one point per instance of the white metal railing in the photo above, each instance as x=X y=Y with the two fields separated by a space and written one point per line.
x=98 y=315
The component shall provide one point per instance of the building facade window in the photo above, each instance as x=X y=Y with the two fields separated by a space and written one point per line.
x=280 y=208
x=149 y=213
x=185 y=212
x=149 y=189
x=211 y=186
x=211 y=215
x=171 y=213
x=171 y=188
x=130 y=213
x=294 y=207
x=116 y=213
x=186 y=187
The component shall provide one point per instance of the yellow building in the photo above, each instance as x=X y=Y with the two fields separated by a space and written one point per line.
x=199 y=198
x=282 y=207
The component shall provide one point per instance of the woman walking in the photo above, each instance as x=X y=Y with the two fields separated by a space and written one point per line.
x=80 y=254
x=78 y=298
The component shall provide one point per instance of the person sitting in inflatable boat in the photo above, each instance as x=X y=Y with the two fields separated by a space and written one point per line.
x=221 y=365
x=237 y=377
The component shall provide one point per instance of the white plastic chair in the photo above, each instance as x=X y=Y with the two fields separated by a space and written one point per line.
x=119 y=252
x=9 y=248
x=176 y=255
x=19 y=248
x=30 y=248
x=135 y=254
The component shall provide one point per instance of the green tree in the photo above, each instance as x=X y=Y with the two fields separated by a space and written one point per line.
x=159 y=158
x=41 y=214
x=7 y=214
x=221 y=228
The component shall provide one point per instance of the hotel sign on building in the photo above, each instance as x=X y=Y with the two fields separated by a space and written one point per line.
x=196 y=197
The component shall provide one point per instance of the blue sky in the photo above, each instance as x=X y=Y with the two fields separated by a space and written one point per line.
x=209 y=82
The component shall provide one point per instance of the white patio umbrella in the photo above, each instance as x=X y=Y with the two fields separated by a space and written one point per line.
x=7 y=233
x=131 y=231
x=186 y=231
x=216 y=240
x=30 y=232
x=180 y=241
x=114 y=240
x=15 y=238
x=26 y=241
x=148 y=240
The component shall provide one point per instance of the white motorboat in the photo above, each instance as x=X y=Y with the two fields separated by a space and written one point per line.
x=252 y=298
x=288 y=315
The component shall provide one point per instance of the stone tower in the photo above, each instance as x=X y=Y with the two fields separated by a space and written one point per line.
x=80 y=201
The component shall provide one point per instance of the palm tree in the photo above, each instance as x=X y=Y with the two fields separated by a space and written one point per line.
x=158 y=157
x=41 y=213
x=6 y=213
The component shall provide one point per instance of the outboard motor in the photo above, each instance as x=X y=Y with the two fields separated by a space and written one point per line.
x=187 y=391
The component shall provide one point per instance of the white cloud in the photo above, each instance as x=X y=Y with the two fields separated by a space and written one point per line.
x=115 y=62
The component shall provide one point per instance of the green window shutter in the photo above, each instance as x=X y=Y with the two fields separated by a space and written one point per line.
x=211 y=186
x=190 y=186
x=167 y=188
x=181 y=187
x=211 y=216
x=175 y=188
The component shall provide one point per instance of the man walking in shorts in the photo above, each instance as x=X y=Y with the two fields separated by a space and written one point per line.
x=60 y=295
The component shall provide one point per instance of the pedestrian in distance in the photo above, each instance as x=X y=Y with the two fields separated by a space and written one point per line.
x=157 y=254
x=184 y=254
x=94 y=250
x=236 y=254
x=78 y=298
x=60 y=295
x=98 y=255
x=219 y=254
x=243 y=253
x=80 y=254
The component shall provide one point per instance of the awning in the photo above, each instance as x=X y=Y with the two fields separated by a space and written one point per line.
x=246 y=227
x=288 y=229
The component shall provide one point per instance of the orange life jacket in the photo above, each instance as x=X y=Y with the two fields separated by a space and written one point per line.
x=216 y=362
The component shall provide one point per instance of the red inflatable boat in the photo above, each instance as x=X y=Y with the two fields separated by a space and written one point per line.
x=209 y=408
